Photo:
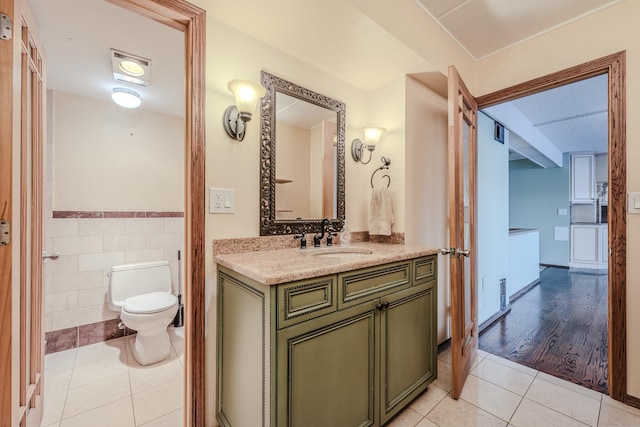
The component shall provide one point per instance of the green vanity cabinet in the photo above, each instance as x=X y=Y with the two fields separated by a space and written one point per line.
x=347 y=349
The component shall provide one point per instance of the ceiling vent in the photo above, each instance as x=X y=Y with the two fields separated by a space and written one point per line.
x=130 y=68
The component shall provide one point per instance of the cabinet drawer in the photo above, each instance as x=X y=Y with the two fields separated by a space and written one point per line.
x=425 y=269
x=358 y=286
x=300 y=301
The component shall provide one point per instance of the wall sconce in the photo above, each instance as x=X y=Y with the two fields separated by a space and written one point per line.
x=236 y=116
x=371 y=137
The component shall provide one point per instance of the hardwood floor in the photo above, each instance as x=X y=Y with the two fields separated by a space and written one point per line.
x=558 y=327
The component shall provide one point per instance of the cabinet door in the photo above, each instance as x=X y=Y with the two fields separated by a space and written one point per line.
x=326 y=370
x=584 y=244
x=583 y=182
x=408 y=348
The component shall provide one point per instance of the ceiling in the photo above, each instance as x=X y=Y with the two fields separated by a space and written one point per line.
x=78 y=61
x=484 y=27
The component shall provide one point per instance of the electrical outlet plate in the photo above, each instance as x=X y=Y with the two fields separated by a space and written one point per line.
x=222 y=200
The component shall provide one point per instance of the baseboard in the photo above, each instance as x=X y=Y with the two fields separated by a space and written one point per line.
x=444 y=345
x=633 y=401
x=555 y=266
x=491 y=320
x=523 y=291
x=79 y=336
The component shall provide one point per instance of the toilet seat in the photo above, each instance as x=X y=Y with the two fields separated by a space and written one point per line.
x=153 y=302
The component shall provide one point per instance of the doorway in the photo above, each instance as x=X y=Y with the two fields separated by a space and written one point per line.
x=614 y=67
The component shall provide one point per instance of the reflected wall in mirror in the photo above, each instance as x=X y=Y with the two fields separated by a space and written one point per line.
x=301 y=159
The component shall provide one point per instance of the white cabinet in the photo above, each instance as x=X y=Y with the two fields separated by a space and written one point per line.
x=583 y=180
x=589 y=246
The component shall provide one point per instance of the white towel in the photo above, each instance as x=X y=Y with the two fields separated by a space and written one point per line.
x=381 y=212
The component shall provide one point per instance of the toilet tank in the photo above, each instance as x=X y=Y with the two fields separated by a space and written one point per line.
x=128 y=280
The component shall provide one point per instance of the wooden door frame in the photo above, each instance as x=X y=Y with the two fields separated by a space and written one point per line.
x=614 y=66
x=190 y=19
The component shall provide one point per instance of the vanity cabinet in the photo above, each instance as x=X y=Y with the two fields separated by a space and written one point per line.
x=346 y=349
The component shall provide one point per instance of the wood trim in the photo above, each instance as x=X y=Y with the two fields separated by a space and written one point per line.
x=633 y=401
x=190 y=19
x=615 y=66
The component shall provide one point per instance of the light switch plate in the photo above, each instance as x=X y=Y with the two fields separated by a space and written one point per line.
x=222 y=200
x=633 y=204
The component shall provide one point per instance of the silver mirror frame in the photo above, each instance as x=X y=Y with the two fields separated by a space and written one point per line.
x=269 y=226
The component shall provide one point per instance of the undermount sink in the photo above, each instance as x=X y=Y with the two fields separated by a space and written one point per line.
x=341 y=252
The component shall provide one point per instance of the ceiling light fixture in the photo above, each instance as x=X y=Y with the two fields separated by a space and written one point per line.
x=126 y=98
x=247 y=94
x=130 y=68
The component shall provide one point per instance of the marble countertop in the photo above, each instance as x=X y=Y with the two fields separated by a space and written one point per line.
x=287 y=265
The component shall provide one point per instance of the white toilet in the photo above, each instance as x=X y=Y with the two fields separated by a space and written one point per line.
x=141 y=292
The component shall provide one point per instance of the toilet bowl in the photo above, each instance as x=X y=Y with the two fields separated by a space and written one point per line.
x=141 y=292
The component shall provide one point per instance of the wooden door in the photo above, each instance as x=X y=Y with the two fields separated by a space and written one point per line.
x=21 y=152
x=462 y=235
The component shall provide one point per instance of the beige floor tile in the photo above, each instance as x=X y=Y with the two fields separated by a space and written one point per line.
x=53 y=407
x=158 y=401
x=514 y=365
x=174 y=419
x=571 y=386
x=487 y=396
x=178 y=348
x=615 y=416
x=118 y=413
x=406 y=418
x=94 y=395
x=565 y=401
x=609 y=401
x=97 y=371
x=428 y=400
x=146 y=377
x=56 y=381
x=105 y=350
x=445 y=355
x=504 y=376
x=60 y=361
x=52 y=425
x=444 y=376
x=532 y=414
x=460 y=413
x=426 y=423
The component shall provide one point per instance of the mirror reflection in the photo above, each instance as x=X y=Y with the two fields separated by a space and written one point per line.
x=302 y=159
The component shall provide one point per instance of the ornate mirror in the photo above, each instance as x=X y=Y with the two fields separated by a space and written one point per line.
x=302 y=181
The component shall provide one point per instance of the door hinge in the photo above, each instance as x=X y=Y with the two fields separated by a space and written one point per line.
x=5 y=233
x=6 y=28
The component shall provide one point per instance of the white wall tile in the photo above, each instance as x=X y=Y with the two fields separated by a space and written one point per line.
x=89 y=297
x=80 y=280
x=144 y=255
x=144 y=225
x=78 y=245
x=124 y=242
x=81 y=316
x=100 y=226
x=165 y=240
x=64 y=264
x=61 y=302
x=174 y=225
x=47 y=322
x=60 y=227
x=99 y=261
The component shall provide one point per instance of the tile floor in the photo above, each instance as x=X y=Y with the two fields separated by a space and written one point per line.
x=102 y=385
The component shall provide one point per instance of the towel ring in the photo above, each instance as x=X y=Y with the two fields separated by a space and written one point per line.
x=385 y=165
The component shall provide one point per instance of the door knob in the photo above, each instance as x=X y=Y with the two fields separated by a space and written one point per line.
x=54 y=256
x=448 y=251
x=461 y=252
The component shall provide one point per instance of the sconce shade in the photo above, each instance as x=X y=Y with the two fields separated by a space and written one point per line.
x=235 y=117
x=126 y=98
x=372 y=135
x=247 y=94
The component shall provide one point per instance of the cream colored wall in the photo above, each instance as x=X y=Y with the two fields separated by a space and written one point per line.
x=609 y=31
x=293 y=163
x=426 y=187
x=107 y=158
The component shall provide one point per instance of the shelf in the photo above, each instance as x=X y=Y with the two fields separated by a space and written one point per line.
x=283 y=181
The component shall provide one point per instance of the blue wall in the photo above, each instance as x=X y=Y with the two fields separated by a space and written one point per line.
x=535 y=195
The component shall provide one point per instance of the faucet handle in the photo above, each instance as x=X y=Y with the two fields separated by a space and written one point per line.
x=330 y=236
x=303 y=241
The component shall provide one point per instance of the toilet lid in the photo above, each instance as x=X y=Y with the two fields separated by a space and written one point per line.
x=150 y=303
